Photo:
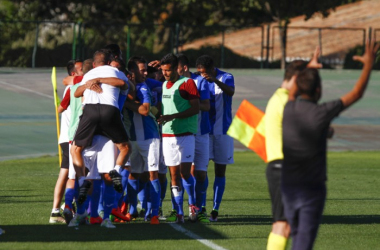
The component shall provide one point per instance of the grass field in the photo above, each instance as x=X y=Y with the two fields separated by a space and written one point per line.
x=351 y=218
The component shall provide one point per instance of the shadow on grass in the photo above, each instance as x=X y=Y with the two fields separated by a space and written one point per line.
x=92 y=233
x=351 y=219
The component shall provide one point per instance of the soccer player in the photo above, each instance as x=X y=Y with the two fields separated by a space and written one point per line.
x=74 y=68
x=305 y=129
x=145 y=142
x=100 y=112
x=180 y=106
x=222 y=88
x=201 y=157
x=55 y=217
x=273 y=140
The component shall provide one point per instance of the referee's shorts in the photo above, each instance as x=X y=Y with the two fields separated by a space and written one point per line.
x=273 y=174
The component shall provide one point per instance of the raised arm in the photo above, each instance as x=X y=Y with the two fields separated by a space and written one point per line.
x=314 y=61
x=367 y=59
x=226 y=89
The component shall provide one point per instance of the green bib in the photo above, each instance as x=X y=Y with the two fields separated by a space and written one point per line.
x=173 y=103
x=76 y=111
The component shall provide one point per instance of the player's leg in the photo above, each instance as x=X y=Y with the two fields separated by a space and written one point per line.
x=162 y=171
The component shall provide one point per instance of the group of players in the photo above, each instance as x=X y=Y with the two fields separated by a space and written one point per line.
x=124 y=125
x=184 y=122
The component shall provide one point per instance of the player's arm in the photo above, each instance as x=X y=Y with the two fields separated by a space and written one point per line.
x=193 y=110
x=293 y=92
x=141 y=108
x=204 y=105
x=367 y=59
x=65 y=102
x=68 y=80
x=228 y=90
x=314 y=64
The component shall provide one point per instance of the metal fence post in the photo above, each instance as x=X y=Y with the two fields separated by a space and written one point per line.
x=176 y=37
x=222 y=55
x=320 y=42
x=35 y=46
x=128 y=43
x=267 y=56
x=74 y=42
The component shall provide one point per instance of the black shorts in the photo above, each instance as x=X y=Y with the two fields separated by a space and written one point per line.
x=101 y=119
x=273 y=174
x=65 y=155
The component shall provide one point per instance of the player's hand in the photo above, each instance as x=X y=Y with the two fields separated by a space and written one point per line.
x=155 y=64
x=164 y=119
x=314 y=61
x=369 y=55
x=208 y=77
x=94 y=85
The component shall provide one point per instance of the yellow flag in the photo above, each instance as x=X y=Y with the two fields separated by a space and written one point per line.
x=56 y=103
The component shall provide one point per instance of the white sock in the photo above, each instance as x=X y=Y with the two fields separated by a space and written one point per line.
x=118 y=168
x=55 y=210
x=81 y=180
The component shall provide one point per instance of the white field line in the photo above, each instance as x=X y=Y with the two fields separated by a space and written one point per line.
x=26 y=89
x=208 y=243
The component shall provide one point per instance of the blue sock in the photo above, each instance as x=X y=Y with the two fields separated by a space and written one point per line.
x=69 y=197
x=95 y=198
x=163 y=191
x=219 y=186
x=124 y=179
x=188 y=185
x=147 y=199
x=204 y=196
x=118 y=198
x=109 y=198
x=199 y=192
x=178 y=198
x=142 y=194
x=155 y=190
x=133 y=187
x=101 y=201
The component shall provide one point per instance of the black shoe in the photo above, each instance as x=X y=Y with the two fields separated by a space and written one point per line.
x=116 y=179
x=83 y=190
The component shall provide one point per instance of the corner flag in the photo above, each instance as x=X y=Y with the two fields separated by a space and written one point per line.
x=248 y=128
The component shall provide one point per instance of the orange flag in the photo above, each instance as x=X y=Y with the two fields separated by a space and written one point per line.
x=248 y=128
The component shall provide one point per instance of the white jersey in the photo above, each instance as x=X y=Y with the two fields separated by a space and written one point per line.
x=65 y=123
x=110 y=94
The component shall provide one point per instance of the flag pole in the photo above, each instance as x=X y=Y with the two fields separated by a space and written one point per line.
x=56 y=104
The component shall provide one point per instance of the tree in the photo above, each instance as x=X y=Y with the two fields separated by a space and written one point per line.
x=282 y=10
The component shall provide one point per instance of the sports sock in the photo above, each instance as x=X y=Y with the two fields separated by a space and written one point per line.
x=188 y=185
x=174 y=204
x=200 y=190
x=155 y=190
x=219 y=186
x=101 y=201
x=276 y=242
x=109 y=198
x=148 y=207
x=163 y=186
x=204 y=196
x=69 y=197
x=142 y=194
x=124 y=179
x=118 y=168
x=55 y=210
x=94 y=204
x=178 y=198
x=133 y=187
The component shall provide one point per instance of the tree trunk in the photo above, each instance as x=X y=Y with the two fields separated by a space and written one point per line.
x=283 y=28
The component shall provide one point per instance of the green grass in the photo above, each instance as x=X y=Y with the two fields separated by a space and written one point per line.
x=351 y=218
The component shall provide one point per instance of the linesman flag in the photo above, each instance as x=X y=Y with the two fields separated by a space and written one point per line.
x=56 y=103
x=248 y=128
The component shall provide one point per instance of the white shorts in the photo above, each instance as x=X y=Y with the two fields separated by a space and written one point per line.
x=221 y=149
x=201 y=156
x=178 y=149
x=145 y=155
x=101 y=155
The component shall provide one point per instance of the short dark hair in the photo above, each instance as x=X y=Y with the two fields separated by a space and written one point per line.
x=114 y=49
x=102 y=57
x=170 y=59
x=205 y=61
x=183 y=60
x=71 y=66
x=294 y=68
x=308 y=81
x=132 y=66
x=137 y=59
x=87 y=65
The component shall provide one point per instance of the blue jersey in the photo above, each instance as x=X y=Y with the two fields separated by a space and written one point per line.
x=220 y=104
x=204 y=92
x=155 y=88
x=142 y=127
